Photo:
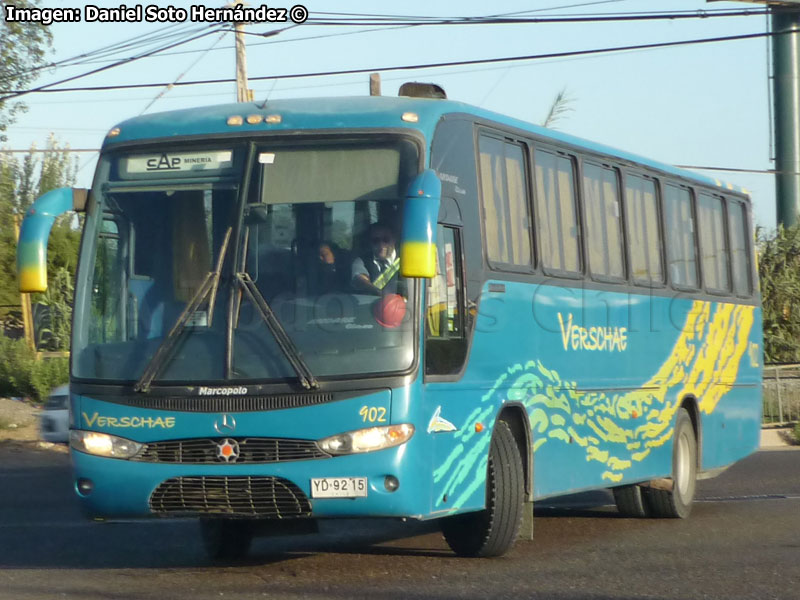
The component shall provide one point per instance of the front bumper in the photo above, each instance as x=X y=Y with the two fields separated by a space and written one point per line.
x=127 y=489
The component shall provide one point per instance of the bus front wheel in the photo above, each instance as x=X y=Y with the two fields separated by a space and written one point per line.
x=677 y=502
x=226 y=539
x=492 y=531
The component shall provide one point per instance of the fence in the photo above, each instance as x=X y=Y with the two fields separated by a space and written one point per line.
x=781 y=394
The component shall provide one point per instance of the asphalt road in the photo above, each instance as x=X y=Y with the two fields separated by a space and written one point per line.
x=742 y=541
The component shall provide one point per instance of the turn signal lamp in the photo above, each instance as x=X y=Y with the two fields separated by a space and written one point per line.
x=114 y=132
x=410 y=117
x=235 y=120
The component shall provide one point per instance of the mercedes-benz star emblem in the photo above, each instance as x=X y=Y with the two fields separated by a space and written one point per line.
x=225 y=424
x=228 y=450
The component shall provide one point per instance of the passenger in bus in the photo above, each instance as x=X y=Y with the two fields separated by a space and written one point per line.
x=377 y=270
x=327 y=279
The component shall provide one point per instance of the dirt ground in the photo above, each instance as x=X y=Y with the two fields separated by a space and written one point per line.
x=19 y=429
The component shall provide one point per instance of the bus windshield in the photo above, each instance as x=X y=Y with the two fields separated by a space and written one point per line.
x=309 y=273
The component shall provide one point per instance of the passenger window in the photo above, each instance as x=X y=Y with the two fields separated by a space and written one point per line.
x=680 y=236
x=603 y=221
x=713 y=244
x=740 y=251
x=445 y=341
x=504 y=193
x=557 y=223
x=644 y=235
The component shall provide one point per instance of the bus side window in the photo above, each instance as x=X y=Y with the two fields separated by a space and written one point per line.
x=680 y=233
x=556 y=213
x=740 y=252
x=714 y=247
x=445 y=340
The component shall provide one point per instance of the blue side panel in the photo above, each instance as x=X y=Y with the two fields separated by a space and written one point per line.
x=601 y=377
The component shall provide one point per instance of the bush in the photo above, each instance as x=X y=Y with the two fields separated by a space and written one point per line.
x=16 y=365
x=797 y=432
x=22 y=375
x=47 y=374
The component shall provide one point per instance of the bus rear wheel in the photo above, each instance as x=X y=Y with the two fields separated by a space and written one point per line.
x=492 y=531
x=677 y=502
x=226 y=539
x=630 y=501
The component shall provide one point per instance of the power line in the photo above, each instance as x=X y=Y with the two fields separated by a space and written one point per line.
x=436 y=65
x=738 y=170
x=46 y=150
x=45 y=87
x=417 y=21
x=674 y=16
x=111 y=49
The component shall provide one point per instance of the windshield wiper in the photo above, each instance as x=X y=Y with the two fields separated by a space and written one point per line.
x=164 y=351
x=285 y=343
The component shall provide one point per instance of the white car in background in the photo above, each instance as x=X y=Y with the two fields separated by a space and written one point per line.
x=54 y=420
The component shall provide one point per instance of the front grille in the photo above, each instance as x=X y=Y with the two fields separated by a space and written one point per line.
x=263 y=497
x=231 y=404
x=251 y=450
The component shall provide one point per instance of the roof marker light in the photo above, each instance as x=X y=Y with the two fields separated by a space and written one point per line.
x=410 y=117
x=114 y=132
x=254 y=119
x=235 y=120
x=273 y=119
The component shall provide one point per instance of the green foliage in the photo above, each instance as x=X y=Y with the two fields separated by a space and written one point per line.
x=20 y=183
x=55 y=334
x=779 y=272
x=22 y=55
x=46 y=374
x=16 y=365
x=797 y=432
x=558 y=109
x=22 y=375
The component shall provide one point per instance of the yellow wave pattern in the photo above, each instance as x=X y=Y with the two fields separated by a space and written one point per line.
x=615 y=430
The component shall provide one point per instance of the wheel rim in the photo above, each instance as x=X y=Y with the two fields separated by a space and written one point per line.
x=683 y=467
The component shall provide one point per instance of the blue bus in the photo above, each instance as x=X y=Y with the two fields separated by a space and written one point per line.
x=398 y=307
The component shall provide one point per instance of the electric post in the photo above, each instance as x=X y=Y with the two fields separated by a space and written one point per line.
x=785 y=21
x=243 y=94
x=785 y=25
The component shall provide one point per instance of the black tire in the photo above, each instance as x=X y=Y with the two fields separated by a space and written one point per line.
x=630 y=501
x=677 y=502
x=492 y=531
x=226 y=539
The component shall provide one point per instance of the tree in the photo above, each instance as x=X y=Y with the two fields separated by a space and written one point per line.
x=779 y=272
x=22 y=57
x=20 y=183
x=558 y=109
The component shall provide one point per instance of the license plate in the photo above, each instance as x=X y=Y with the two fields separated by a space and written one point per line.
x=339 y=487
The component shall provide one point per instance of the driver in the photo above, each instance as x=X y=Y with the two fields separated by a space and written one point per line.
x=376 y=272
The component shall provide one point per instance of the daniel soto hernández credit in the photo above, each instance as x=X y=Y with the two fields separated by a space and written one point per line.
x=152 y=13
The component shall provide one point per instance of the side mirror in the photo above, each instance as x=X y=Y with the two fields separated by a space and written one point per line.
x=420 y=213
x=36 y=226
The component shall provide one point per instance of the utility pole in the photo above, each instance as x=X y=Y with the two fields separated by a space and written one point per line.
x=375 y=84
x=785 y=26
x=785 y=21
x=243 y=93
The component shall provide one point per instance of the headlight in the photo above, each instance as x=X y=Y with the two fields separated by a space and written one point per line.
x=103 y=444
x=367 y=440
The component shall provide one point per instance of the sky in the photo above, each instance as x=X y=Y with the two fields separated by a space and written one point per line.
x=699 y=104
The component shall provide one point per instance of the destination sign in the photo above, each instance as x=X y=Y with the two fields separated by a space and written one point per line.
x=177 y=162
